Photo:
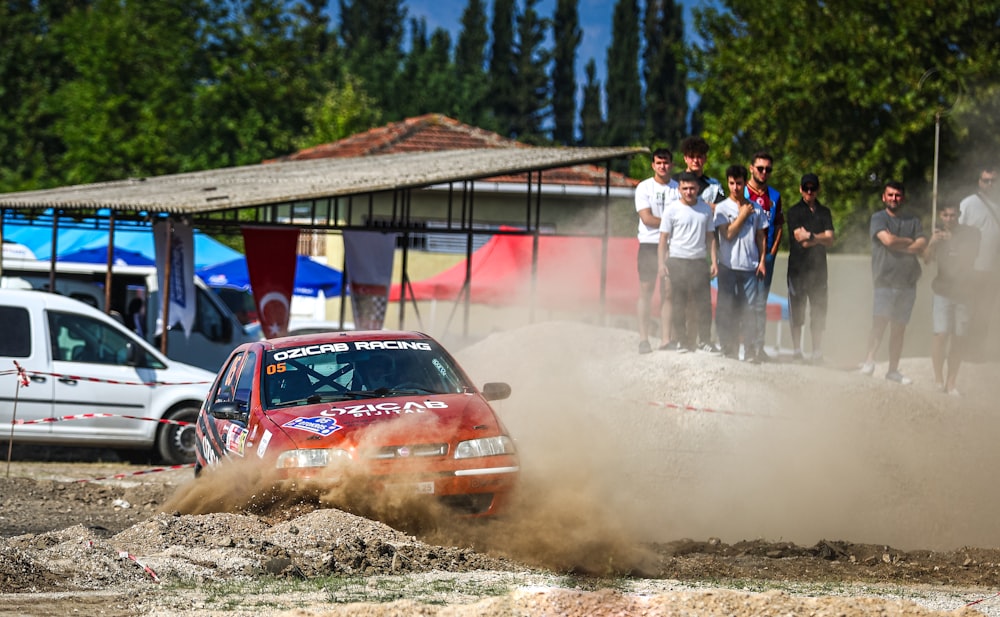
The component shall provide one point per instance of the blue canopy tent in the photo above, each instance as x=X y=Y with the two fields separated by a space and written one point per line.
x=311 y=277
x=99 y=255
x=38 y=238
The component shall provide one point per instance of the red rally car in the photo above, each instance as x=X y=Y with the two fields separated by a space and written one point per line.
x=392 y=407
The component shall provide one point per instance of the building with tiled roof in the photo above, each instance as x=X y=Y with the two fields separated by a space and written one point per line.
x=436 y=132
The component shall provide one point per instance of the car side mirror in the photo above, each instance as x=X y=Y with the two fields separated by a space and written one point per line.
x=496 y=391
x=230 y=410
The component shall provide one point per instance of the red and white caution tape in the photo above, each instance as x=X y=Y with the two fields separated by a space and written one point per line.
x=22 y=376
x=708 y=410
x=22 y=373
x=142 y=472
x=87 y=416
x=133 y=558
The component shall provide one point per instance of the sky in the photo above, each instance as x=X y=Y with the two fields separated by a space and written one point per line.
x=595 y=22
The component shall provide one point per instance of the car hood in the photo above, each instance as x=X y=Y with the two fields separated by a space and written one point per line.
x=408 y=419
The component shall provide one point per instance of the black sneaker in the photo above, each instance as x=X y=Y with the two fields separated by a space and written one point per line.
x=761 y=356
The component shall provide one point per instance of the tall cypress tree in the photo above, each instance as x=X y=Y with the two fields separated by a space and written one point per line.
x=665 y=72
x=624 y=92
x=371 y=33
x=591 y=122
x=502 y=71
x=567 y=34
x=470 y=104
x=531 y=83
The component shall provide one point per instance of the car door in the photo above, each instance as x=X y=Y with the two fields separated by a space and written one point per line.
x=92 y=377
x=234 y=386
x=21 y=341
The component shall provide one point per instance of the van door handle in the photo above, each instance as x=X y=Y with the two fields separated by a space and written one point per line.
x=68 y=381
x=38 y=378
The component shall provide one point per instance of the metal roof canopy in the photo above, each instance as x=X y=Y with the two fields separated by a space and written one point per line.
x=213 y=198
x=286 y=182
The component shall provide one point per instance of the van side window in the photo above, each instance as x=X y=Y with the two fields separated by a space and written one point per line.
x=15 y=336
x=209 y=320
x=78 y=338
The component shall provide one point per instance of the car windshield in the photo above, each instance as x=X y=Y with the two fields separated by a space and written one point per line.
x=350 y=370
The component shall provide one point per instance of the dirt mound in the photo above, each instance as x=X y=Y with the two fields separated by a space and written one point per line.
x=624 y=456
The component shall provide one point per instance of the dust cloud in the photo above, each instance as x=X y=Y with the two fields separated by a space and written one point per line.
x=619 y=451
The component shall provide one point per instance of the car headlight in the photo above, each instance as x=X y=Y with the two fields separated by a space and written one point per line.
x=485 y=446
x=312 y=457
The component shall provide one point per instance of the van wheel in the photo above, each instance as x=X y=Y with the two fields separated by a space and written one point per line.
x=176 y=443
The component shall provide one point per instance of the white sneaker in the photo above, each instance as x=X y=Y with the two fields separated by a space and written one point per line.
x=898 y=378
x=868 y=368
x=954 y=392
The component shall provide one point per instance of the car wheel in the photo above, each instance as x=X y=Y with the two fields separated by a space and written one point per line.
x=176 y=443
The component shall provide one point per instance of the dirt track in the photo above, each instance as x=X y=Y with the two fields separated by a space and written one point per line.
x=801 y=480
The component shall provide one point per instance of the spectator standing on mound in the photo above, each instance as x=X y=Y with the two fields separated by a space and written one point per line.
x=769 y=200
x=742 y=229
x=954 y=247
x=652 y=195
x=687 y=238
x=810 y=231
x=695 y=151
x=981 y=210
x=897 y=239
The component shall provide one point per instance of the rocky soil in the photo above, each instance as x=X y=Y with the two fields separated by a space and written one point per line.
x=667 y=484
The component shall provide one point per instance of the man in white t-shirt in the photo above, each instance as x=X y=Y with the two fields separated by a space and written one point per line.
x=651 y=196
x=742 y=229
x=687 y=255
x=981 y=210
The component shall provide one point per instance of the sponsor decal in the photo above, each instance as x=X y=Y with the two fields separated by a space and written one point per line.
x=440 y=367
x=236 y=438
x=377 y=345
x=264 y=441
x=324 y=348
x=208 y=452
x=318 y=425
x=387 y=408
x=308 y=350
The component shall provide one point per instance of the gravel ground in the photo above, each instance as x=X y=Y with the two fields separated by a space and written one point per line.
x=675 y=484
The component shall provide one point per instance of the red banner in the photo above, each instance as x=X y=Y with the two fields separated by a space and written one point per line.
x=271 y=264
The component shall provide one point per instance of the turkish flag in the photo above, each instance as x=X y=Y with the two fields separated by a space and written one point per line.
x=271 y=264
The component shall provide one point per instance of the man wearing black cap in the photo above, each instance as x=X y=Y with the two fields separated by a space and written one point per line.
x=810 y=229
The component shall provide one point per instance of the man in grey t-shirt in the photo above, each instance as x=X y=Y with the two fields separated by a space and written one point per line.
x=897 y=240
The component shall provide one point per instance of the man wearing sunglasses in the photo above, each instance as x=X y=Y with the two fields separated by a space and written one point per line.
x=980 y=210
x=810 y=230
x=769 y=200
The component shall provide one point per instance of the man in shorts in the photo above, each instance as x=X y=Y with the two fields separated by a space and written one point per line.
x=651 y=196
x=954 y=247
x=897 y=239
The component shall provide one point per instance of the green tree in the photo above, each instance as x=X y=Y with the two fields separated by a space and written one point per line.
x=502 y=71
x=665 y=72
x=341 y=112
x=531 y=82
x=31 y=69
x=624 y=90
x=252 y=104
x=838 y=90
x=471 y=104
x=428 y=65
x=591 y=122
x=567 y=35
x=127 y=109
x=371 y=35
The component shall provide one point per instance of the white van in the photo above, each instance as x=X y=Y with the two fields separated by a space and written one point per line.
x=216 y=330
x=80 y=361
